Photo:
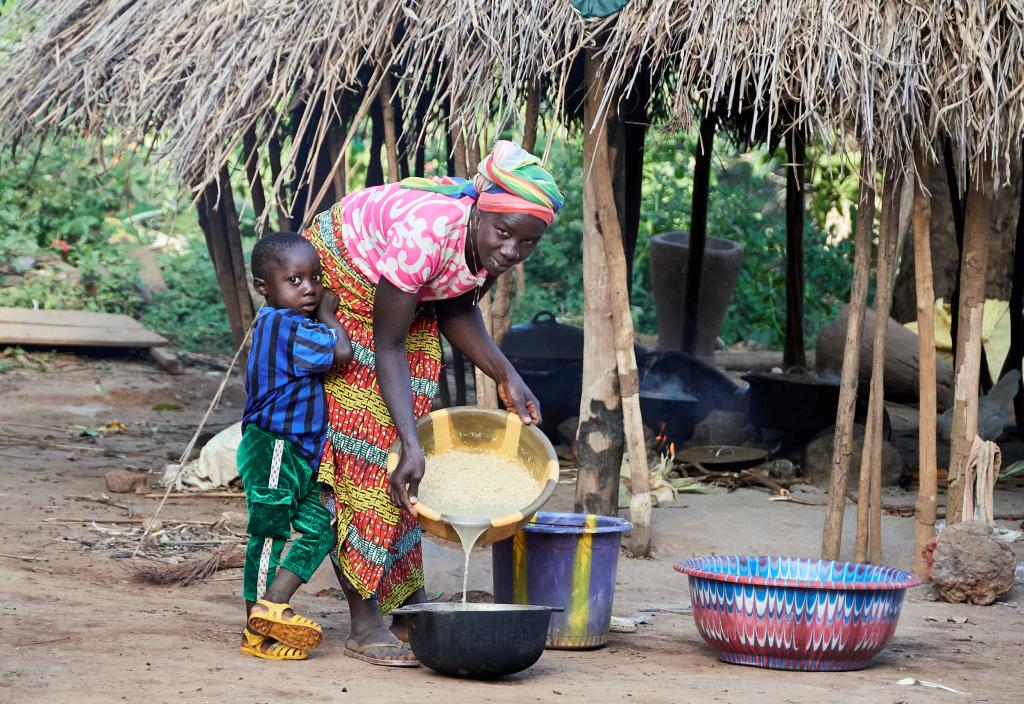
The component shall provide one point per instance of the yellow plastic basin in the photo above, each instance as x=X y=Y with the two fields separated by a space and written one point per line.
x=488 y=432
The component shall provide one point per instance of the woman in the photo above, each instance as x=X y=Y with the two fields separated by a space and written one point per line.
x=409 y=260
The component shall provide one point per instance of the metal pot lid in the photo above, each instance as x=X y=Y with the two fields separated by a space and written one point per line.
x=722 y=454
x=543 y=338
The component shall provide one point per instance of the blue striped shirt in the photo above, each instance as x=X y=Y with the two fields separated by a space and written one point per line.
x=282 y=378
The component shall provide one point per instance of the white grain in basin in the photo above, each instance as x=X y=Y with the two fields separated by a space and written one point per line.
x=460 y=483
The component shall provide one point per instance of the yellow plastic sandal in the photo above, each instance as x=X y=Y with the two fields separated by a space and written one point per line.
x=276 y=651
x=296 y=631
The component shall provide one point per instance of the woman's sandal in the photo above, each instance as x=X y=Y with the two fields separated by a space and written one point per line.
x=296 y=631
x=354 y=650
x=275 y=651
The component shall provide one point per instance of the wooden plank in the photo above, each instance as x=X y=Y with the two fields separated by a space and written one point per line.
x=73 y=318
x=78 y=335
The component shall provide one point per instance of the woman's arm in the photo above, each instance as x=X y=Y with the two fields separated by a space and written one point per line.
x=393 y=312
x=461 y=323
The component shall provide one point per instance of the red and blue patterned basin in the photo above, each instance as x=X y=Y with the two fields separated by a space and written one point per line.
x=791 y=613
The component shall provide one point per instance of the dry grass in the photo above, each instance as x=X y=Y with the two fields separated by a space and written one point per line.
x=201 y=73
x=196 y=569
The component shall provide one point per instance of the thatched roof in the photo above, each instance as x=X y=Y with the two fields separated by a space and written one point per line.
x=885 y=72
x=202 y=72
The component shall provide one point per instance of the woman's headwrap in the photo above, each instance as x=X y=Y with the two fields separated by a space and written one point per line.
x=508 y=180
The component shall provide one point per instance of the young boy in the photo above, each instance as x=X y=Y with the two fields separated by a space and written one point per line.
x=296 y=337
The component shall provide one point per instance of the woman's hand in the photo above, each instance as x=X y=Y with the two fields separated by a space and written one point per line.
x=518 y=398
x=404 y=484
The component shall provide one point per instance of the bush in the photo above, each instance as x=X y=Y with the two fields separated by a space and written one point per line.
x=70 y=223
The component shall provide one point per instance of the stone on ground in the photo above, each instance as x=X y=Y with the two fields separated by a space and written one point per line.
x=122 y=481
x=970 y=565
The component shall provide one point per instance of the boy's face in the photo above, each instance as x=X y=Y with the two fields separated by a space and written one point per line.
x=295 y=282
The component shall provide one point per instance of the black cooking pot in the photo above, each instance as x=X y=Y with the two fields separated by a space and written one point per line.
x=549 y=357
x=478 y=641
x=680 y=390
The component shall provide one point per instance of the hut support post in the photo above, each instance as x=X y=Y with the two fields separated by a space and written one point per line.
x=973 y=263
x=794 y=354
x=869 y=511
x=1016 y=351
x=465 y=165
x=599 y=202
x=505 y=288
x=842 y=453
x=253 y=178
x=384 y=95
x=218 y=220
x=599 y=440
x=698 y=232
x=927 y=468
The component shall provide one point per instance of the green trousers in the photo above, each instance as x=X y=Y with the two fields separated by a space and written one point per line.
x=281 y=493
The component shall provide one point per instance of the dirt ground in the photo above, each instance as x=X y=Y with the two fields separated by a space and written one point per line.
x=77 y=627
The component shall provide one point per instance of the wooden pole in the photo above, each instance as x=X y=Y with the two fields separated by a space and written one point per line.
x=977 y=230
x=465 y=166
x=506 y=287
x=793 y=349
x=599 y=196
x=927 y=468
x=375 y=168
x=869 y=489
x=390 y=133
x=529 y=144
x=255 y=181
x=599 y=440
x=635 y=121
x=959 y=223
x=218 y=220
x=842 y=454
x=1016 y=351
x=274 y=156
x=698 y=232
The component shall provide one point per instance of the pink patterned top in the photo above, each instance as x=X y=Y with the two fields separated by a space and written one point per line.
x=414 y=239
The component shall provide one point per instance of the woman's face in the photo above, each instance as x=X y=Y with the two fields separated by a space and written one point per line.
x=505 y=239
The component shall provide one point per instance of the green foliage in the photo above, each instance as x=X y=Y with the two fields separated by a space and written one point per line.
x=746 y=205
x=69 y=225
x=70 y=222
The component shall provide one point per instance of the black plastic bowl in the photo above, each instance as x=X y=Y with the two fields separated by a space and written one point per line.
x=478 y=641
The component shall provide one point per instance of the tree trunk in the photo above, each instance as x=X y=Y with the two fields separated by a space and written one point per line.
x=793 y=349
x=842 y=454
x=219 y=221
x=868 y=538
x=698 y=231
x=599 y=200
x=927 y=467
x=977 y=228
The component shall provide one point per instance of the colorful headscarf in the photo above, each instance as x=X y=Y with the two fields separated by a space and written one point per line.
x=508 y=180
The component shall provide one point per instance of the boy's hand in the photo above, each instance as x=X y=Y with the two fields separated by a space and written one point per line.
x=328 y=306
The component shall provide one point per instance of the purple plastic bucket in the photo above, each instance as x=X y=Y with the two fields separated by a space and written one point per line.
x=567 y=561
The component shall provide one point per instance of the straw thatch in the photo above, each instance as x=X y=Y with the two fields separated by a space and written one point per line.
x=883 y=72
x=202 y=73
